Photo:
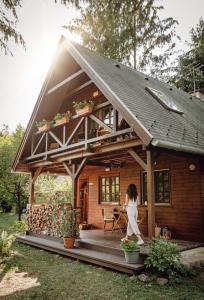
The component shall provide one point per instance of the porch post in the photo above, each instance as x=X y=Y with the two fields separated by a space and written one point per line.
x=150 y=195
x=74 y=173
x=34 y=176
x=32 y=190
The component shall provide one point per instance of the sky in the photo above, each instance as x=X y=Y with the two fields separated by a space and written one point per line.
x=40 y=22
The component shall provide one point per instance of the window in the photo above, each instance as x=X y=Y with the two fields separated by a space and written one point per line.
x=164 y=100
x=108 y=116
x=162 y=187
x=109 y=189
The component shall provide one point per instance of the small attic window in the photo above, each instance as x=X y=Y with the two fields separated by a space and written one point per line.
x=164 y=100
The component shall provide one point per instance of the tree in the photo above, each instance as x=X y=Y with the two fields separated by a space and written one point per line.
x=190 y=70
x=9 y=21
x=129 y=31
x=13 y=187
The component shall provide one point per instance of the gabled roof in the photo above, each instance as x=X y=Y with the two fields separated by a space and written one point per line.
x=127 y=90
x=184 y=132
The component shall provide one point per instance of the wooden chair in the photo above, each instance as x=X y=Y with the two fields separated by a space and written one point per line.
x=108 y=217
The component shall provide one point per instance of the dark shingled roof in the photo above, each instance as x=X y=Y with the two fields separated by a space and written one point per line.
x=169 y=129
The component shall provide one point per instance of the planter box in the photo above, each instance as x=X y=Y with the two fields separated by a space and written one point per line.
x=132 y=257
x=84 y=111
x=46 y=127
x=62 y=121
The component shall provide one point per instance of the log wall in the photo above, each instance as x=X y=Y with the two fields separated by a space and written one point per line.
x=184 y=216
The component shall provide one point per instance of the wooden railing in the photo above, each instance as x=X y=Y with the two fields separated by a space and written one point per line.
x=42 y=147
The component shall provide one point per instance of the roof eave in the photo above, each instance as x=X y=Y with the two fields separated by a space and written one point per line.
x=177 y=147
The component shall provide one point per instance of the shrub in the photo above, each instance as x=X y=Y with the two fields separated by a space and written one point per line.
x=129 y=246
x=6 y=242
x=20 y=226
x=165 y=259
x=6 y=207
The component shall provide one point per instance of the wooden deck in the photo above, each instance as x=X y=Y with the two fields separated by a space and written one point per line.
x=97 y=247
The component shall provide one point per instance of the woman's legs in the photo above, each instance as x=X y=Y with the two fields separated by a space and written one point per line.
x=132 y=224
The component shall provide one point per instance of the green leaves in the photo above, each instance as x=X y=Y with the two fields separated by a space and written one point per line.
x=129 y=31
x=128 y=245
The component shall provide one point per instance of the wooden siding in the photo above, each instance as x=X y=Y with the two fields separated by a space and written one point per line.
x=184 y=215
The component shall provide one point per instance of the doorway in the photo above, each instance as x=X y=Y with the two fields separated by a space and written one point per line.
x=83 y=200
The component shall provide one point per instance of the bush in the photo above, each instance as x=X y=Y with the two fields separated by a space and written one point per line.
x=165 y=259
x=20 y=226
x=6 y=207
x=6 y=242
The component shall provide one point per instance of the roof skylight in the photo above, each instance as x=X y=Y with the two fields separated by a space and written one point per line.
x=164 y=100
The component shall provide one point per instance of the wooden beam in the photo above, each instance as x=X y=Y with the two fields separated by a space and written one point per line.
x=56 y=138
x=34 y=176
x=150 y=195
x=79 y=88
x=138 y=159
x=38 y=144
x=67 y=80
x=74 y=131
x=78 y=171
x=67 y=168
x=102 y=124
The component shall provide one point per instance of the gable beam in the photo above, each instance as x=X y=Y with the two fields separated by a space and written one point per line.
x=67 y=80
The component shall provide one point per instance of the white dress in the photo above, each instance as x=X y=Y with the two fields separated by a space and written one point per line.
x=132 y=213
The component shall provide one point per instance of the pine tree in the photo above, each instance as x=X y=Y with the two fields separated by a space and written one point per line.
x=190 y=73
x=129 y=31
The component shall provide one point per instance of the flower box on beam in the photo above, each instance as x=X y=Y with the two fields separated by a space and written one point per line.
x=61 y=119
x=83 y=108
x=44 y=125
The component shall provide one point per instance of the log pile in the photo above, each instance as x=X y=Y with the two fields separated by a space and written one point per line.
x=42 y=218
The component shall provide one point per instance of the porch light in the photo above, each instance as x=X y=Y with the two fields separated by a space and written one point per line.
x=192 y=167
x=107 y=169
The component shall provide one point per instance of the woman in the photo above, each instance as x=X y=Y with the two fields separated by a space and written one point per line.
x=131 y=207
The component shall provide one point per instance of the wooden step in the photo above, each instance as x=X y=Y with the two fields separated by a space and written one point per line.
x=108 y=260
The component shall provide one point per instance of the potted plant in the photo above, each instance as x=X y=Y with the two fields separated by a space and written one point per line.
x=131 y=250
x=70 y=227
x=44 y=125
x=63 y=118
x=83 y=108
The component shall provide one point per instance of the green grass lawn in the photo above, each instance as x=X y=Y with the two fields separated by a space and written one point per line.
x=37 y=274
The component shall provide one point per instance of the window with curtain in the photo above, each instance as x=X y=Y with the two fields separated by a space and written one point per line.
x=161 y=184
x=109 y=189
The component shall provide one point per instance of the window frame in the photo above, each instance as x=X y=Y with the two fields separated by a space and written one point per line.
x=100 y=190
x=142 y=203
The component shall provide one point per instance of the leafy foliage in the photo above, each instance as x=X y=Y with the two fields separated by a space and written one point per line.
x=129 y=31
x=8 y=22
x=128 y=245
x=44 y=122
x=66 y=221
x=82 y=104
x=165 y=259
x=20 y=226
x=63 y=115
x=13 y=187
x=190 y=73
x=6 y=241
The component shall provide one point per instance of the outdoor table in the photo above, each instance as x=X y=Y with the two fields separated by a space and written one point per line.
x=119 y=216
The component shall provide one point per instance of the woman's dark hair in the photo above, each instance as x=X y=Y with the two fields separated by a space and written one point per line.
x=132 y=192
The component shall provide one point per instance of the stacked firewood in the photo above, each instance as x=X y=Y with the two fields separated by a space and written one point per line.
x=40 y=218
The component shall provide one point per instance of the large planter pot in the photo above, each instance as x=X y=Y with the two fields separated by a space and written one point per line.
x=46 y=127
x=132 y=257
x=69 y=242
x=62 y=121
x=84 y=111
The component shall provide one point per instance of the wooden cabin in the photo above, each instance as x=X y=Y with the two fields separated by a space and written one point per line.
x=140 y=131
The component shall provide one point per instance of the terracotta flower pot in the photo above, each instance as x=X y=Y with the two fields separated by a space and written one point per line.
x=84 y=111
x=62 y=121
x=45 y=127
x=69 y=242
